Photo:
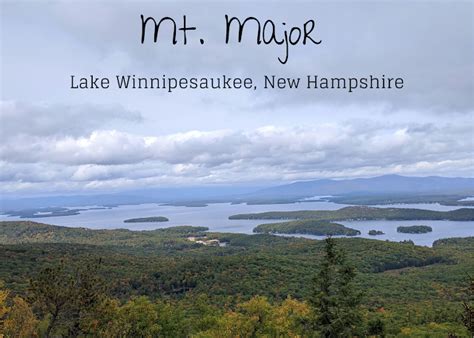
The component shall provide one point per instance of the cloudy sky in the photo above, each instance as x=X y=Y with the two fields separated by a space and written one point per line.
x=54 y=139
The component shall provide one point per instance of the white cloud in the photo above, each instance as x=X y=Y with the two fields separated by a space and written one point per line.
x=112 y=139
x=110 y=158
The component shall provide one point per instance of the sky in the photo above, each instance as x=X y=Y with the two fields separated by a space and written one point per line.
x=54 y=139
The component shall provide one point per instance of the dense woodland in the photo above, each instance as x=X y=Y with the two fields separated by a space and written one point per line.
x=147 y=219
x=365 y=213
x=379 y=199
x=307 y=227
x=59 y=281
x=415 y=229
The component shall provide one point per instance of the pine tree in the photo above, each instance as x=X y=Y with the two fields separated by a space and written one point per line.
x=67 y=296
x=335 y=300
x=468 y=313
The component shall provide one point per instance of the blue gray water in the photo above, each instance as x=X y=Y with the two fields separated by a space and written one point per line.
x=215 y=217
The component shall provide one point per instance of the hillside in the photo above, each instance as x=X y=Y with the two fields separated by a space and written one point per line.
x=400 y=279
x=14 y=232
x=380 y=184
x=375 y=190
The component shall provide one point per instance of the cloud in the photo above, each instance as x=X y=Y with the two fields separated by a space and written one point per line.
x=20 y=118
x=270 y=153
x=53 y=138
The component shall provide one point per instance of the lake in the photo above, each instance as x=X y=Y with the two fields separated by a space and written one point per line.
x=215 y=217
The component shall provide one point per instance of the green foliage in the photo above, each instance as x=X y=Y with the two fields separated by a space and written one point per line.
x=44 y=212
x=335 y=300
x=464 y=243
x=139 y=318
x=376 y=232
x=147 y=219
x=259 y=318
x=376 y=327
x=432 y=330
x=21 y=322
x=67 y=297
x=379 y=199
x=468 y=307
x=32 y=232
x=414 y=229
x=365 y=213
x=4 y=308
x=195 y=290
x=309 y=227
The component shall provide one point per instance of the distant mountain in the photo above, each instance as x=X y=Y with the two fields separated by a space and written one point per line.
x=387 y=189
x=381 y=185
x=151 y=195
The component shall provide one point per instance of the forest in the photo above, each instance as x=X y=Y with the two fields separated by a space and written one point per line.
x=307 y=226
x=415 y=229
x=365 y=213
x=147 y=219
x=61 y=282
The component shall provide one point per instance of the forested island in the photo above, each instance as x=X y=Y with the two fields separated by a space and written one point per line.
x=415 y=229
x=307 y=227
x=376 y=232
x=44 y=212
x=50 y=212
x=160 y=283
x=191 y=204
x=380 y=199
x=147 y=219
x=363 y=213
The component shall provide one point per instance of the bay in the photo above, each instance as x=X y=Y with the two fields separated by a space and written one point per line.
x=215 y=217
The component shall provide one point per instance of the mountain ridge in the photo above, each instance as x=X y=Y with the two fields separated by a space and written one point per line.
x=433 y=188
x=392 y=184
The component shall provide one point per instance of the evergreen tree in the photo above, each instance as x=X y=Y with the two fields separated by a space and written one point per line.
x=376 y=327
x=335 y=300
x=468 y=313
x=67 y=297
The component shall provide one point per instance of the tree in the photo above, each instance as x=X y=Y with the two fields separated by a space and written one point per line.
x=258 y=314
x=468 y=307
x=139 y=318
x=4 y=308
x=252 y=318
x=21 y=322
x=290 y=318
x=376 y=327
x=335 y=301
x=67 y=297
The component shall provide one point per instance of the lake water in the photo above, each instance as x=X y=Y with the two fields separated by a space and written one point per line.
x=215 y=217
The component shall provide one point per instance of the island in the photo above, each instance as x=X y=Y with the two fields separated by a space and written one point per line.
x=49 y=212
x=44 y=212
x=185 y=204
x=147 y=220
x=363 y=213
x=414 y=229
x=376 y=233
x=307 y=227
